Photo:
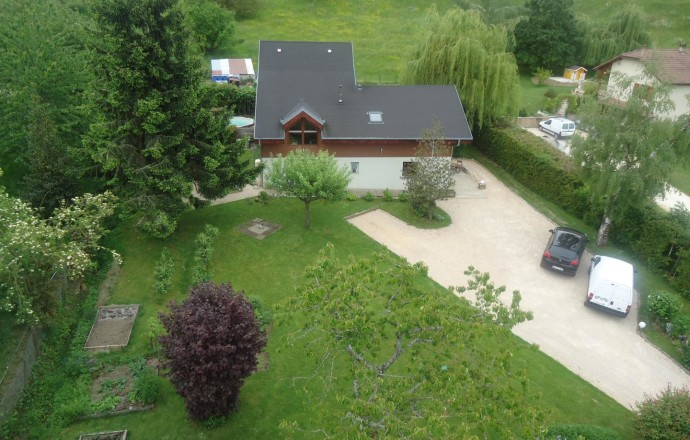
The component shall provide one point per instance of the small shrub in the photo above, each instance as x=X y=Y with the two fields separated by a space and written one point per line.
x=147 y=388
x=214 y=422
x=664 y=305
x=387 y=195
x=369 y=197
x=541 y=75
x=439 y=216
x=681 y=326
x=576 y=431
x=350 y=197
x=263 y=315
x=403 y=197
x=664 y=416
x=163 y=273
x=105 y=405
x=262 y=198
x=551 y=94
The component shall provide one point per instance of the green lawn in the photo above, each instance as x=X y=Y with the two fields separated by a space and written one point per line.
x=270 y=269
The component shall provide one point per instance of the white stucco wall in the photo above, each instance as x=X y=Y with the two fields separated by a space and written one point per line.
x=634 y=69
x=375 y=173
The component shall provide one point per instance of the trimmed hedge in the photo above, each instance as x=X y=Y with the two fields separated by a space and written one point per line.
x=658 y=238
x=537 y=165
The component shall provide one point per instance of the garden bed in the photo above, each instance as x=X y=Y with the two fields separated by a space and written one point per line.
x=112 y=328
x=110 y=435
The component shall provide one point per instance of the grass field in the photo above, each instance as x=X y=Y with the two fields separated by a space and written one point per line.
x=270 y=269
x=385 y=32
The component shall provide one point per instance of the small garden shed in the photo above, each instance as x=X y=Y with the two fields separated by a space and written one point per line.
x=575 y=73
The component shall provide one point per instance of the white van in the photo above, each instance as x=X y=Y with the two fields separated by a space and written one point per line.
x=559 y=127
x=610 y=285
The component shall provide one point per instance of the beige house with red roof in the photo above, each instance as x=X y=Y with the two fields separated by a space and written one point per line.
x=672 y=65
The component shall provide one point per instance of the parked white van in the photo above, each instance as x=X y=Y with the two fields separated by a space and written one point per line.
x=610 y=285
x=559 y=127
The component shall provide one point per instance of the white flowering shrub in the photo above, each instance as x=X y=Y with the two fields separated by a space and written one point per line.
x=34 y=251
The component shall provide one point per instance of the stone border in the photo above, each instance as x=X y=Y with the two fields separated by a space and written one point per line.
x=259 y=228
x=96 y=435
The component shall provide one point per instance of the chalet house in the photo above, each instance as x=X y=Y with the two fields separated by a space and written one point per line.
x=672 y=65
x=308 y=97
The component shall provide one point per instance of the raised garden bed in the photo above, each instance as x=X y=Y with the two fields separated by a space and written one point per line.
x=112 y=328
x=110 y=435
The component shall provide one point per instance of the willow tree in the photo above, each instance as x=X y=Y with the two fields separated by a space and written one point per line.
x=630 y=150
x=625 y=32
x=461 y=49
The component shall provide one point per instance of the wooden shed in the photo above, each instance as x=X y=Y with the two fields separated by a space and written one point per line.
x=575 y=73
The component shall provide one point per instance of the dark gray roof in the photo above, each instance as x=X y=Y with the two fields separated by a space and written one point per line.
x=309 y=75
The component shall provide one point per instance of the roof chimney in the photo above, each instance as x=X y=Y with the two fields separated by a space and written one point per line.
x=340 y=94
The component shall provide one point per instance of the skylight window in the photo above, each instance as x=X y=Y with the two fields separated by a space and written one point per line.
x=375 y=117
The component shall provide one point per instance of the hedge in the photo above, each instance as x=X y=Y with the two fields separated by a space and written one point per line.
x=537 y=165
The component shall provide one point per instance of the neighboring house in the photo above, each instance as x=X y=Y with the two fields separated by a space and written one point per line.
x=308 y=97
x=232 y=70
x=672 y=66
x=575 y=73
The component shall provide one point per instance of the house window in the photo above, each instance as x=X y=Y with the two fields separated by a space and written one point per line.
x=303 y=133
x=375 y=117
x=355 y=167
x=408 y=168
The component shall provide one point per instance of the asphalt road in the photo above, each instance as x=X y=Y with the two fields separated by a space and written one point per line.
x=497 y=232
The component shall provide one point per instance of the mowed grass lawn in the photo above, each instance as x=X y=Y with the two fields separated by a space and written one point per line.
x=271 y=269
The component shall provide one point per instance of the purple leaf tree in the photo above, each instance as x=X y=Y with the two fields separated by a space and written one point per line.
x=212 y=342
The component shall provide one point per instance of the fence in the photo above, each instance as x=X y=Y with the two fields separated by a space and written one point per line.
x=18 y=372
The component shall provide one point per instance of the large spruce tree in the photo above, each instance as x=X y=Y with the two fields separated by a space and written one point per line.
x=153 y=139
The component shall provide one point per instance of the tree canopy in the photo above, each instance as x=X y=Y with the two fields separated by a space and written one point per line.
x=35 y=251
x=460 y=49
x=549 y=37
x=212 y=343
x=309 y=177
x=416 y=363
x=44 y=72
x=153 y=139
x=625 y=32
x=630 y=150
x=431 y=177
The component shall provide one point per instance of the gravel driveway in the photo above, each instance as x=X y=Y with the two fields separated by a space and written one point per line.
x=497 y=232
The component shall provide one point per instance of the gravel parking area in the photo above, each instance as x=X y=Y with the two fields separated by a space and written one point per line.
x=496 y=231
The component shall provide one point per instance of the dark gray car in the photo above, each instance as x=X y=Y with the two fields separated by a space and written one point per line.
x=564 y=250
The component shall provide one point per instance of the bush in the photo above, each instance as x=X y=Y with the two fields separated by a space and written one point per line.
x=541 y=75
x=387 y=195
x=147 y=388
x=664 y=417
x=403 y=196
x=681 y=326
x=369 y=197
x=263 y=315
x=589 y=432
x=350 y=197
x=263 y=198
x=664 y=305
x=535 y=164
